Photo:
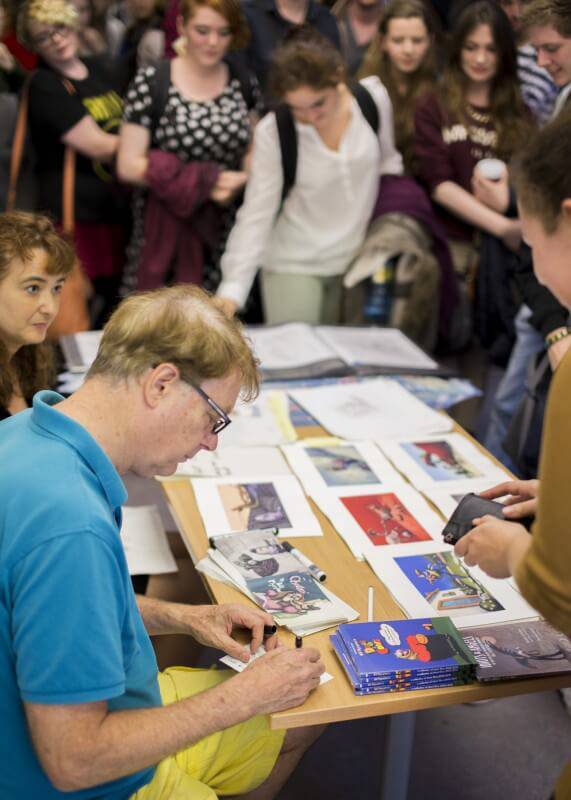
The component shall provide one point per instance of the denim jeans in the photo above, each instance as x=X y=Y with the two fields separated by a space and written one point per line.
x=511 y=388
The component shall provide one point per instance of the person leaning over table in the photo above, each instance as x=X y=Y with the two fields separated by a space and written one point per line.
x=305 y=244
x=34 y=263
x=541 y=563
x=88 y=713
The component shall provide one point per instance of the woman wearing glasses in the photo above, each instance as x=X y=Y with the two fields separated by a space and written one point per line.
x=73 y=103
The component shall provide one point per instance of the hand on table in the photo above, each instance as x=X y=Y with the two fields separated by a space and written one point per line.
x=213 y=626
x=281 y=679
x=493 y=545
x=522 y=500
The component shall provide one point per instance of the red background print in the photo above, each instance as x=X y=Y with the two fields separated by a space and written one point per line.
x=385 y=519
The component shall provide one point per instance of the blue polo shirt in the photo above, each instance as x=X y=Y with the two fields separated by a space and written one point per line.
x=70 y=630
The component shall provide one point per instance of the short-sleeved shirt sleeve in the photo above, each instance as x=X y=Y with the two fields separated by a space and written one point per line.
x=63 y=662
x=139 y=98
x=52 y=105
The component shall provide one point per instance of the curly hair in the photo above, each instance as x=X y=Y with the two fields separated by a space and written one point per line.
x=305 y=58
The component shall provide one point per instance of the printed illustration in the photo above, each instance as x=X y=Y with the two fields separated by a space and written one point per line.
x=446 y=584
x=341 y=465
x=440 y=461
x=291 y=595
x=425 y=644
x=253 y=505
x=385 y=519
x=256 y=554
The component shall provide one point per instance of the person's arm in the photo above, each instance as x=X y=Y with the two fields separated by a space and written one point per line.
x=543 y=576
x=522 y=497
x=249 y=236
x=132 y=155
x=211 y=625
x=87 y=138
x=391 y=159
x=462 y=204
x=85 y=745
x=495 y=546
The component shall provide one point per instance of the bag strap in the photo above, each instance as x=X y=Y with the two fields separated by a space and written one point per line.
x=538 y=371
x=288 y=147
x=367 y=105
x=18 y=143
x=244 y=77
x=288 y=135
x=160 y=91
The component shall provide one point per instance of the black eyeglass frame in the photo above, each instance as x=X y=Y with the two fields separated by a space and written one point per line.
x=224 y=420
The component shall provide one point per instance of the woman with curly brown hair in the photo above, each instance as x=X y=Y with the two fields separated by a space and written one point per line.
x=34 y=263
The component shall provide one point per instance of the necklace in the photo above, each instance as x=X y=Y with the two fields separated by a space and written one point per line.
x=480 y=116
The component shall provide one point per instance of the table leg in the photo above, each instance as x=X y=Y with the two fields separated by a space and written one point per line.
x=397 y=755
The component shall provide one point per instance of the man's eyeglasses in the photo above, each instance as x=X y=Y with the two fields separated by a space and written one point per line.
x=223 y=419
x=48 y=37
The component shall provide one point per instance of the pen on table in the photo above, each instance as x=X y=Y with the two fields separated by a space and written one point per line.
x=298 y=642
x=313 y=568
x=370 y=603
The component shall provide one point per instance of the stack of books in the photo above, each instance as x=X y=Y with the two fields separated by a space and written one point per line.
x=263 y=567
x=403 y=655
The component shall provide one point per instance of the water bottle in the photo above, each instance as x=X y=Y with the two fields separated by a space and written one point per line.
x=379 y=295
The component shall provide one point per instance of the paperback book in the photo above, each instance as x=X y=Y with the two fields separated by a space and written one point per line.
x=401 y=655
x=518 y=650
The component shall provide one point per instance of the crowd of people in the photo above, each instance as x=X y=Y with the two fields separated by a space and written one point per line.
x=248 y=150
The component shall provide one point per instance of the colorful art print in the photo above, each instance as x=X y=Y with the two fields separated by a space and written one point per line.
x=294 y=594
x=256 y=554
x=341 y=465
x=385 y=519
x=440 y=460
x=516 y=649
x=446 y=585
x=252 y=505
x=400 y=645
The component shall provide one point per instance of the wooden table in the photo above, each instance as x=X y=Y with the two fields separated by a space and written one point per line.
x=335 y=700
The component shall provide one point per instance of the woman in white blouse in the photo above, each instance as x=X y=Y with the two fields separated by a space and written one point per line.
x=305 y=245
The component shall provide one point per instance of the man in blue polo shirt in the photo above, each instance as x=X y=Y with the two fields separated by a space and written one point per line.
x=81 y=699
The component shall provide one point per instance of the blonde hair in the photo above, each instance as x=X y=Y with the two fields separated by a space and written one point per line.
x=53 y=12
x=179 y=325
x=548 y=13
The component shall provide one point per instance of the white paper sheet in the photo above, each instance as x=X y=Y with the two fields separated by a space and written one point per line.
x=228 y=461
x=258 y=423
x=380 y=347
x=231 y=504
x=389 y=516
x=447 y=462
x=370 y=410
x=145 y=542
x=428 y=580
x=240 y=666
x=329 y=462
x=289 y=346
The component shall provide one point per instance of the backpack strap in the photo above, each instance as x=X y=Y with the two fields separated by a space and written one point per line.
x=160 y=91
x=367 y=105
x=242 y=74
x=288 y=147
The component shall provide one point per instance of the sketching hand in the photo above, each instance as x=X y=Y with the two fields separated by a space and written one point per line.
x=522 y=500
x=213 y=626
x=281 y=679
x=488 y=545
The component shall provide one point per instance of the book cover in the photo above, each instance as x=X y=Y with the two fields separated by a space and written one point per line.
x=416 y=645
x=295 y=597
x=517 y=650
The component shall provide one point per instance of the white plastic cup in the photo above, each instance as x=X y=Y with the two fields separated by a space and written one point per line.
x=491 y=168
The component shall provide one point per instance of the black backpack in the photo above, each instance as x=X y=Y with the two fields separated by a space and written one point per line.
x=288 y=134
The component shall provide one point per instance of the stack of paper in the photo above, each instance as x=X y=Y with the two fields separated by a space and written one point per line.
x=261 y=567
x=373 y=409
x=403 y=655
